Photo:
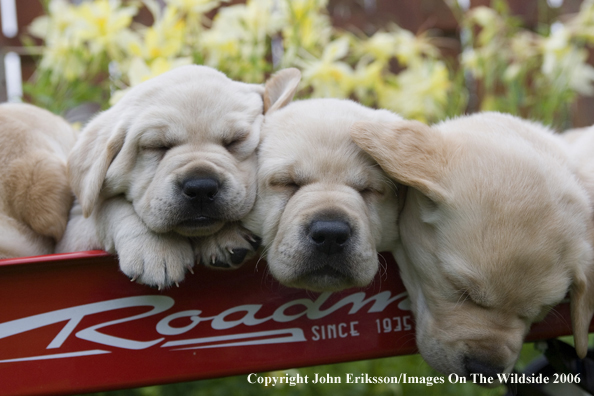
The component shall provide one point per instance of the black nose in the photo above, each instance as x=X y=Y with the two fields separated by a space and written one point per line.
x=200 y=189
x=329 y=237
x=479 y=367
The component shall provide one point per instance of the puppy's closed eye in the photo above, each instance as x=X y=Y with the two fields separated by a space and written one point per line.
x=157 y=146
x=370 y=190
x=463 y=291
x=156 y=150
x=369 y=183
x=232 y=143
x=156 y=141
x=468 y=296
x=156 y=138
x=285 y=182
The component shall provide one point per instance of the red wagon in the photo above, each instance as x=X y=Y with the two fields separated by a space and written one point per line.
x=72 y=323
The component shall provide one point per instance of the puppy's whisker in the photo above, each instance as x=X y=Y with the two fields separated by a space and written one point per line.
x=559 y=316
x=464 y=295
x=382 y=271
x=390 y=182
x=263 y=254
x=383 y=267
x=423 y=363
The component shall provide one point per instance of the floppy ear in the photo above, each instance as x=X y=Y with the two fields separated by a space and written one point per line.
x=410 y=152
x=280 y=89
x=98 y=144
x=582 y=308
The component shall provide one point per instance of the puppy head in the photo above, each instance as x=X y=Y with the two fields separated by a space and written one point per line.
x=324 y=207
x=493 y=234
x=180 y=147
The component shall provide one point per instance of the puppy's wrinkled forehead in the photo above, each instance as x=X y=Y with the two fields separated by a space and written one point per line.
x=200 y=99
x=312 y=141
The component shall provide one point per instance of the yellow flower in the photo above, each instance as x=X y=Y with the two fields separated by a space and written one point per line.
x=165 y=38
x=582 y=24
x=525 y=45
x=223 y=40
x=399 y=43
x=328 y=76
x=568 y=67
x=306 y=24
x=194 y=7
x=261 y=18
x=555 y=48
x=490 y=22
x=382 y=46
x=484 y=16
x=420 y=91
x=103 y=24
x=64 y=54
x=410 y=48
x=63 y=62
x=367 y=80
x=301 y=9
x=237 y=42
x=61 y=17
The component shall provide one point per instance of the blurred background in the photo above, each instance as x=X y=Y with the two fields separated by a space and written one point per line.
x=424 y=59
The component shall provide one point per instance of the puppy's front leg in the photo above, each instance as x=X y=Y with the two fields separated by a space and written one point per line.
x=228 y=248
x=145 y=256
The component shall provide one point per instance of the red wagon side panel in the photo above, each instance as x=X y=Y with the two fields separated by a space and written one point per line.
x=72 y=323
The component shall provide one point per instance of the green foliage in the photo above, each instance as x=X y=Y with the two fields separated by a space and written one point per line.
x=94 y=51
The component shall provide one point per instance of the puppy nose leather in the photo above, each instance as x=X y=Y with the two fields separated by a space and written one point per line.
x=203 y=190
x=329 y=237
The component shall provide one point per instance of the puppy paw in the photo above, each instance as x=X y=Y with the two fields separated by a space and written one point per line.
x=158 y=260
x=229 y=248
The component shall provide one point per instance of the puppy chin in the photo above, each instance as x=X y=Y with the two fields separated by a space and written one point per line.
x=198 y=228
x=321 y=281
x=322 y=274
x=188 y=228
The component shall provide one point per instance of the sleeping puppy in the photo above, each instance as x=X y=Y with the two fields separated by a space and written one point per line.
x=34 y=193
x=324 y=208
x=496 y=229
x=166 y=174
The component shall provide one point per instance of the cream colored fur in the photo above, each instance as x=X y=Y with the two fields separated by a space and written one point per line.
x=131 y=168
x=309 y=170
x=34 y=193
x=495 y=230
x=581 y=148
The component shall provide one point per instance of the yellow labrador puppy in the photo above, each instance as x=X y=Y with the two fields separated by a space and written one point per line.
x=170 y=164
x=34 y=193
x=324 y=207
x=495 y=230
